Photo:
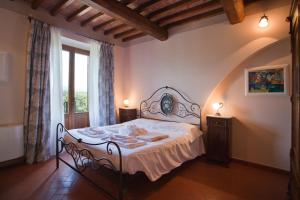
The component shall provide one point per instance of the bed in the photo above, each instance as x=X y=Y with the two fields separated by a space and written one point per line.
x=167 y=113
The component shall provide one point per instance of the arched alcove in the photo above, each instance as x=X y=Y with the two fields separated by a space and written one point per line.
x=262 y=124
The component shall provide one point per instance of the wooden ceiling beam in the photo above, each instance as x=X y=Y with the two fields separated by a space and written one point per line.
x=115 y=29
x=195 y=10
x=125 y=33
x=131 y=32
x=132 y=37
x=42 y=14
x=36 y=3
x=197 y=17
x=145 y=5
x=124 y=2
x=99 y=26
x=123 y=13
x=79 y=12
x=234 y=10
x=170 y=7
x=60 y=6
x=90 y=19
x=127 y=2
x=161 y=10
x=174 y=6
x=138 y=9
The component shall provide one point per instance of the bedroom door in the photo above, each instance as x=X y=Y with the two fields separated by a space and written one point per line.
x=294 y=184
x=75 y=64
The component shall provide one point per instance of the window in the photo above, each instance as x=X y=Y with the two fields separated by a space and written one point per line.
x=80 y=82
x=74 y=69
x=65 y=71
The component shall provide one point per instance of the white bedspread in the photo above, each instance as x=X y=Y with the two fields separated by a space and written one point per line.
x=155 y=158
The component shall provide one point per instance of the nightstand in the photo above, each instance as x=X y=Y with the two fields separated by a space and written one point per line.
x=219 y=138
x=127 y=114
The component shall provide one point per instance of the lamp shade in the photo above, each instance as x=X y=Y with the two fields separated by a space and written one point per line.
x=217 y=106
x=263 y=22
x=126 y=102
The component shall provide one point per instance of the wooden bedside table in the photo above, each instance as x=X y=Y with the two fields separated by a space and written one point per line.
x=127 y=114
x=219 y=138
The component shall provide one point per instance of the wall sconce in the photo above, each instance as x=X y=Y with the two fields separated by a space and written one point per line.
x=4 y=66
x=263 y=22
x=126 y=103
x=217 y=106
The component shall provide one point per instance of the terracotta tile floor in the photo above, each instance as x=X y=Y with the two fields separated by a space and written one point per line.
x=195 y=180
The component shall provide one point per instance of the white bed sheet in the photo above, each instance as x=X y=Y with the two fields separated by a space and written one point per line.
x=156 y=158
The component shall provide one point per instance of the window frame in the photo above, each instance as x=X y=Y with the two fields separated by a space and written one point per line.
x=71 y=95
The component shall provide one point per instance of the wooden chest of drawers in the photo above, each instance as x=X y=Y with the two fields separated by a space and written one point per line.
x=219 y=138
x=127 y=114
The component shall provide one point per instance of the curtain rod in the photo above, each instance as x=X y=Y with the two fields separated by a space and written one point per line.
x=30 y=18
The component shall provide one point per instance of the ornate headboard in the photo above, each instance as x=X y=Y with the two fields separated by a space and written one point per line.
x=168 y=104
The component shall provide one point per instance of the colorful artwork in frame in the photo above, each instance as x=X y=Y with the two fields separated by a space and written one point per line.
x=266 y=80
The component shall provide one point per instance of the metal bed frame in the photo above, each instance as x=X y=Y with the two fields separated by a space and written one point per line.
x=84 y=158
x=183 y=107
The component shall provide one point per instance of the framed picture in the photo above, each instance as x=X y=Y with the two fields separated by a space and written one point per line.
x=266 y=80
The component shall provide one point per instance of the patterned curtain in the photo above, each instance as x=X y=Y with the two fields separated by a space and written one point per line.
x=106 y=85
x=37 y=103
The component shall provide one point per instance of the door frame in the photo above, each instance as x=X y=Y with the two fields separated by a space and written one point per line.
x=72 y=117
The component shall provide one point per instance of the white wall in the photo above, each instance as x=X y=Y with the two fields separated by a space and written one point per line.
x=198 y=61
x=120 y=78
x=13 y=39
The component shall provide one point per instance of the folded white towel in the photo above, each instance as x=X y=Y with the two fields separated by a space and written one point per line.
x=92 y=133
x=152 y=137
x=132 y=145
x=123 y=140
x=132 y=130
x=123 y=136
x=127 y=142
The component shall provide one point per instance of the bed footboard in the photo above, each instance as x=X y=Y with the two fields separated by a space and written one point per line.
x=83 y=158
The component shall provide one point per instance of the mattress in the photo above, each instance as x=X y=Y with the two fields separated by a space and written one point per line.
x=155 y=158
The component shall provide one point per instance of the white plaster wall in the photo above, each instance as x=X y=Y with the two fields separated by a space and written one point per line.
x=13 y=40
x=119 y=78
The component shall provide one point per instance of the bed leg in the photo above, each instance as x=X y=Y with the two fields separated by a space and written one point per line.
x=125 y=184
x=57 y=151
x=57 y=162
x=121 y=186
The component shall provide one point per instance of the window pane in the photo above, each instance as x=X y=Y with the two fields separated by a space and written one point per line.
x=80 y=82
x=65 y=77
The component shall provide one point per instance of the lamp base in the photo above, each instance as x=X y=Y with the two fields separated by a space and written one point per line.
x=218 y=114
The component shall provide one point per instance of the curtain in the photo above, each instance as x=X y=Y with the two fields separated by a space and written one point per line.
x=93 y=89
x=56 y=86
x=37 y=102
x=106 y=85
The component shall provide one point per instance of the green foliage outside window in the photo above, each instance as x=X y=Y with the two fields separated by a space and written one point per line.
x=66 y=96
x=81 y=102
